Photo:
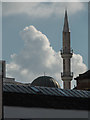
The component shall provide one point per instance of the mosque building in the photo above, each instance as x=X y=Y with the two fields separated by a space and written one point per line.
x=66 y=54
x=43 y=98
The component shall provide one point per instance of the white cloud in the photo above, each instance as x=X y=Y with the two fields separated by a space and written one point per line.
x=38 y=57
x=43 y=9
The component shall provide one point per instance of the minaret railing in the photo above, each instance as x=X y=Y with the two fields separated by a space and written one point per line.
x=65 y=51
x=66 y=74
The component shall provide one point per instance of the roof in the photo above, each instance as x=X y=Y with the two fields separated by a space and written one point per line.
x=28 y=96
x=45 y=81
x=45 y=91
x=85 y=75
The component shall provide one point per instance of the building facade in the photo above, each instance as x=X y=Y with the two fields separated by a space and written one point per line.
x=22 y=102
x=83 y=81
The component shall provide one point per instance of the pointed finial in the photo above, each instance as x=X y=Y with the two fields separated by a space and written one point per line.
x=66 y=26
x=65 y=12
x=66 y=9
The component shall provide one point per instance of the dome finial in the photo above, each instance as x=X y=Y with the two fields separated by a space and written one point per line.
x=44 y=73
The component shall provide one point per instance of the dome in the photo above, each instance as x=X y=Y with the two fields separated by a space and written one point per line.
x=45 y=81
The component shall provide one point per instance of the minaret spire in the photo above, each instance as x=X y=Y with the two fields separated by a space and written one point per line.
x=66 y=26
x=66 y=54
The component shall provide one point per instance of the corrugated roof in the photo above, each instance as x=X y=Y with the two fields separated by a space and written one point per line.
x=10 y=88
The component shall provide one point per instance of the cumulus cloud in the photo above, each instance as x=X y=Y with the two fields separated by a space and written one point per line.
x=38 y=57
x=41 y=9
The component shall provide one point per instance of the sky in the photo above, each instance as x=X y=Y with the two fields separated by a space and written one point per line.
x=32 y=38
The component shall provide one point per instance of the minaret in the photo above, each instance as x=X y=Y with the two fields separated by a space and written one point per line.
x=66 y=54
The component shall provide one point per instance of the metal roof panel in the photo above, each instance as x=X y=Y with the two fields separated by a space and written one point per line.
x=25 y=89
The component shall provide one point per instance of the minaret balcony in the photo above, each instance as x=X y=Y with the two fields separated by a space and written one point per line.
x=66 y=74
x=66 y=53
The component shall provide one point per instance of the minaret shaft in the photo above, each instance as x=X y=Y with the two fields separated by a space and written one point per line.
x=66 y=66
x=66 y=42
x=66 y=54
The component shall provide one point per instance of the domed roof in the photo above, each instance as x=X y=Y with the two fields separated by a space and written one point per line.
x=45 y=81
